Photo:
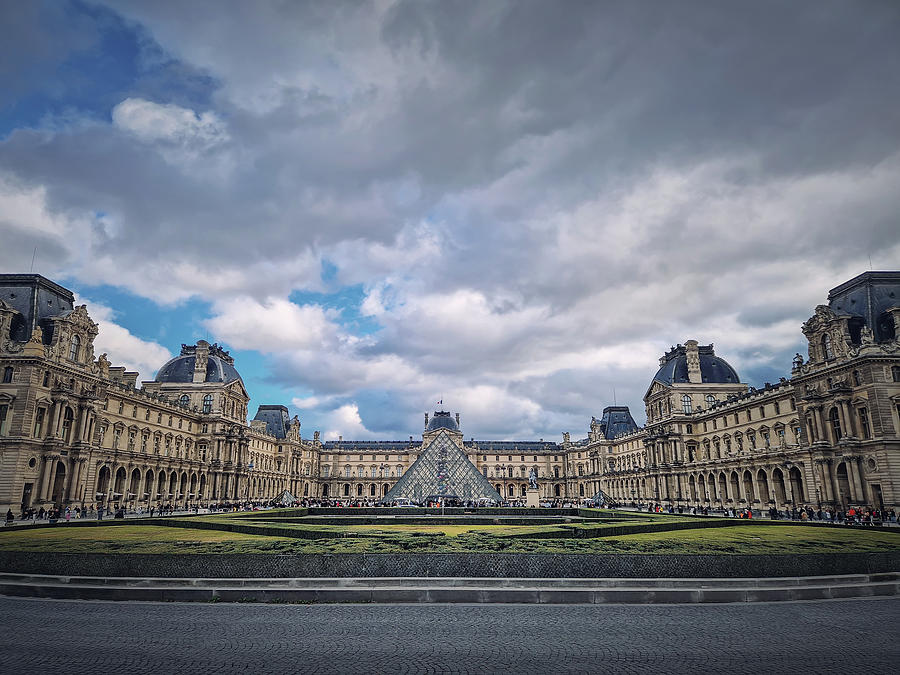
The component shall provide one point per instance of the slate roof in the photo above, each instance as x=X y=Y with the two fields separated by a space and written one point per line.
x=713 y=369
x=442 y=420
x=617 y=420
x=868 y=296
x=276 y=418
x=514 y=446
x=219 y=366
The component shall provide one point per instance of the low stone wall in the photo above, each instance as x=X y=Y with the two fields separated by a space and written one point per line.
x=573 y=565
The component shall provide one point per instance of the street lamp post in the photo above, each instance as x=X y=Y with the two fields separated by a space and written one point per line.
x=249 y=472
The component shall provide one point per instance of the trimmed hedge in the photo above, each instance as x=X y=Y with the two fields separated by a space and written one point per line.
x=619 y=530
x=525 y=565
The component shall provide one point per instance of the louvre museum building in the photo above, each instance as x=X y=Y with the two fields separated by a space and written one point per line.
x=75 y=429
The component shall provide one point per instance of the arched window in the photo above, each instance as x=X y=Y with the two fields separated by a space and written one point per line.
x=207 y=403
x=7 y=374
x=184 y=401
x=74 y=346
x=710 y=400
x=686 y=405
x=835 y=420
x=826 y=347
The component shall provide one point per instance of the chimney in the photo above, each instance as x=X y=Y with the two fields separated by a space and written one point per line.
x=201 y=355
x=692 y=354
x=457 y=419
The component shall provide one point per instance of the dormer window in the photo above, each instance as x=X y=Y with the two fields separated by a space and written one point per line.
x=826 y=347
x=74 y=347
x=184 y=401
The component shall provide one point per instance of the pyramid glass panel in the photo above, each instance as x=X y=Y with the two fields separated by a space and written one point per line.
x=442 y=471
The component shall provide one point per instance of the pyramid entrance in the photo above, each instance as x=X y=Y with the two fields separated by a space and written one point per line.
x=442 y=471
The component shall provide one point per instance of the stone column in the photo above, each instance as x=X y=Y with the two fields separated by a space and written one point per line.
x=820 y=424
x=58 y=404
x=846 y=422
x=835 y=486
x=49 y=475
x=853 y=474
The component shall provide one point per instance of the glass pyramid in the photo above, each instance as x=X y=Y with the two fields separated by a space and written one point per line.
x=442 y=470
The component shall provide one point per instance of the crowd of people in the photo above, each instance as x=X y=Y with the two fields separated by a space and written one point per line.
x=852 y=516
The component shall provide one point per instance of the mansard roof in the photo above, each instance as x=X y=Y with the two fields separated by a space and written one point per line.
x=869 y=296
x=617 y=420
x=277 y=419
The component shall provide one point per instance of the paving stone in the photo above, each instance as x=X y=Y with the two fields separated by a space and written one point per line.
x=74 y=637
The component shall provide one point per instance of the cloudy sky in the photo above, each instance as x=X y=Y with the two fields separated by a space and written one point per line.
x=515 y=207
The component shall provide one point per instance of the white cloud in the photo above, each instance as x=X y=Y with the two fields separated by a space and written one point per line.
x=272 y=325
x=170 y=123
x=123 y=347
x=345 y=422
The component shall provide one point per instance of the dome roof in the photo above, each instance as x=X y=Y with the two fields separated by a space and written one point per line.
x=442 y=420
x=219 y=365
x=713 y=369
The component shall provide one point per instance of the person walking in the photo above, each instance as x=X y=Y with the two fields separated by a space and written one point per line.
x=9 y=517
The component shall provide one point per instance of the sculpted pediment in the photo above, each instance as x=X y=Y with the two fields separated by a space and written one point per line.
x=823 y=316
x=80 y=318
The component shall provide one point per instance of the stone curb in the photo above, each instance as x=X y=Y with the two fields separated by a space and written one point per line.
x=437 y=590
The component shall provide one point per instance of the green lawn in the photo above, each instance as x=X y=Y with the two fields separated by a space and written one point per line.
x=741 y=538
x=135 y=539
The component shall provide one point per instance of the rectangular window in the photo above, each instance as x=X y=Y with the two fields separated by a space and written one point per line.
x=749 y=415
x=4 y=410
x=864 y=423
x=39 y=422
x=777 y=407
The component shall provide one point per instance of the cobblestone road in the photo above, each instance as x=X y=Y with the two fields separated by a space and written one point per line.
x=63 y=637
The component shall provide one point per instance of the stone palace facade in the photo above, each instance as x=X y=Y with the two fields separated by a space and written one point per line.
x=76 y=430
